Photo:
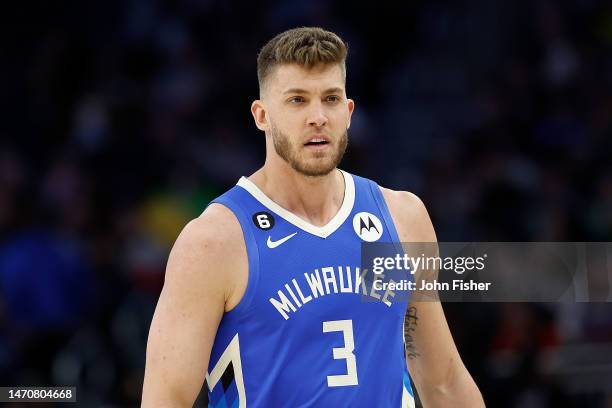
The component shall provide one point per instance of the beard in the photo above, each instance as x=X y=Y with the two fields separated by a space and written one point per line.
x=310 y=164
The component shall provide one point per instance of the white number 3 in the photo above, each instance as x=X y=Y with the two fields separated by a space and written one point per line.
x=346 y=352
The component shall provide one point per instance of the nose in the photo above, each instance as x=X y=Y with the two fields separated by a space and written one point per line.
x=317 y=116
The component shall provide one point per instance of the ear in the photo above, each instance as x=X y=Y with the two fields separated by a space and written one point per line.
x=258 y=110
x=351 y=108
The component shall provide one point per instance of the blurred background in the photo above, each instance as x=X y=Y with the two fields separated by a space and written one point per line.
x=121 y=120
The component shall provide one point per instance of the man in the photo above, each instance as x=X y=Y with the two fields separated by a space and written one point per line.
x=263 y=299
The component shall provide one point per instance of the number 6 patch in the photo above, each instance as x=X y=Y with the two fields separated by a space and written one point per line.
x=263 y=220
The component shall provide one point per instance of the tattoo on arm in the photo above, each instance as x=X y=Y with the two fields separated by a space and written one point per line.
x=410 y=324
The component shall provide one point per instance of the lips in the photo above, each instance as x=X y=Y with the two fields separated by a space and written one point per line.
x=318 y=140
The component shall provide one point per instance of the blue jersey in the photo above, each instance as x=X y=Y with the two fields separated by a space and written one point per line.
x=304 y=333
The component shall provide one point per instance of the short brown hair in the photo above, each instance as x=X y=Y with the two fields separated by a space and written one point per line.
x=306 y=46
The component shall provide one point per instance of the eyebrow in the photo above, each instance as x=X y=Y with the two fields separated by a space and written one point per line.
x=303 y=91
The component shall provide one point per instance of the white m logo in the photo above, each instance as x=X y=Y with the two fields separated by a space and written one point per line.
x=367 y=226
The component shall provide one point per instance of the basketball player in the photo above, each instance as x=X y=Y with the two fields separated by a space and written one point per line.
x=263 y=298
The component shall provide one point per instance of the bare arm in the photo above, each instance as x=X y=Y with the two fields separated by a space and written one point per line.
x=199 y=281
x=433 y=360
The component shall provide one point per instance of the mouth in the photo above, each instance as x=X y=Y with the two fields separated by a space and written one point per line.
x=317 y=142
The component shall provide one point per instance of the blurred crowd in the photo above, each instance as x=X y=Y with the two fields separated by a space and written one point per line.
x=123 y=119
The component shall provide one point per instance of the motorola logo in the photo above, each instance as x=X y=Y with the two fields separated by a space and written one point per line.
x=367 y=226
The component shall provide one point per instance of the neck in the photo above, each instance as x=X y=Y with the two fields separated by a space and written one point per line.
x=314 y=199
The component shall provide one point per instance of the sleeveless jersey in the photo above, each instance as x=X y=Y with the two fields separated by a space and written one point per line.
x=304 y=334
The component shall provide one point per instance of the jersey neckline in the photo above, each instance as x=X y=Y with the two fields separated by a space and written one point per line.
x=324 y=231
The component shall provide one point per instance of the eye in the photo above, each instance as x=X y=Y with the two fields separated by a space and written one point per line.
x=296 y=100
x=332 y=98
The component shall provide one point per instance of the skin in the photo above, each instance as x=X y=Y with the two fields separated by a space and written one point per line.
x=434 y=363
x=207 y=269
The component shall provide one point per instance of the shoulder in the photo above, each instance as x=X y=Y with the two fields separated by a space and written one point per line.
x=409 y=215
x=216 y=230
x=210 y=250
x=403 y=202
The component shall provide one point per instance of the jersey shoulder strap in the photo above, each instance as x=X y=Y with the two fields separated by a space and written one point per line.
x=369 y=196
x=238 y=201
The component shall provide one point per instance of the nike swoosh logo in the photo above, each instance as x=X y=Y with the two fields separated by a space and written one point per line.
x=274 y=244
